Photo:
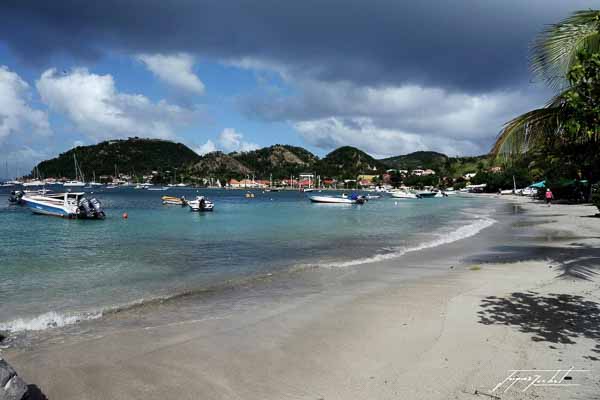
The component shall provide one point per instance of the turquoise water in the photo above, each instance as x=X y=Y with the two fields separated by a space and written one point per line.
x=55 y=271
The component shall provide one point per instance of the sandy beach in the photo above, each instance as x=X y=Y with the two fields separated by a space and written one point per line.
x=455 y=334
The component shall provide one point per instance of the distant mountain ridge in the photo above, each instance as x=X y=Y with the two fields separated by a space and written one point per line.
x=142 y=156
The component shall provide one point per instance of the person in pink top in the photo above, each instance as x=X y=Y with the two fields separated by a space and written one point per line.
x=549 y=197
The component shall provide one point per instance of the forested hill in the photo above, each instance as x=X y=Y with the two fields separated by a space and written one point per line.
x=130 y=156
x=138 y=157
x=418 y=159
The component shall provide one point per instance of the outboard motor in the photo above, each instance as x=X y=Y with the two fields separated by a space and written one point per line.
x=15 y=197
x=98 y=211
x=85 y=209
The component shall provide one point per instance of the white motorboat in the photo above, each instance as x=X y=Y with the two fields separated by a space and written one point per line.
x=36 y=182
x=157 y=189
x=37 y=191
x=74 y=184
x=403 y=194
x=427 y=194
x=201 y=204
x=337 y=200
x=66 y=205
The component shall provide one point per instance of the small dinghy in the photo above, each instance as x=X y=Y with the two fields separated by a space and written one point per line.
x=175 y=201
x=201 y=204
x=337 y=200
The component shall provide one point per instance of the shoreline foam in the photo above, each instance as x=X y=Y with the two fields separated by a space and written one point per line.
x=53 y=319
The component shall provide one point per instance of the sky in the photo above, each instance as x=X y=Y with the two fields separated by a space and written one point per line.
x=389 y=77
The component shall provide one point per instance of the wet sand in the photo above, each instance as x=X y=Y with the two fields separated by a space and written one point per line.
x=453 y=328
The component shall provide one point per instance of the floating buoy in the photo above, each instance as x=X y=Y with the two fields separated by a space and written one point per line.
x=125 y=216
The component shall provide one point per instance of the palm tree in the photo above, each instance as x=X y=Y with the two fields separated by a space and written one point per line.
x=554 y=53
x=525 y=131
x=555 y=50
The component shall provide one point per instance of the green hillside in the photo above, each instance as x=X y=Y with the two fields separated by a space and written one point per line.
x=279 y=160
x=133 y=155
x=138 y=157
x=348 y=162
x=418 y=159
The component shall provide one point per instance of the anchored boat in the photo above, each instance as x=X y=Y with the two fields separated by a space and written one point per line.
x=337 y=200
x=201 y=204
x=172 y=200
x=66 y=205
x=403 y=194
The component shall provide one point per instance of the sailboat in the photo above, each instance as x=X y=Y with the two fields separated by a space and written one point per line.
x=79 y=180
x=36 y=180
x=7 y=183
x=94 y=183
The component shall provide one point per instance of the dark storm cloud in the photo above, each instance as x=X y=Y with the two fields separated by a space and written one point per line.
x=469 y=45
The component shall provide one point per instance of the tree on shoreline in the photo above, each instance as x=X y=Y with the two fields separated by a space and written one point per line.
x=564 y=135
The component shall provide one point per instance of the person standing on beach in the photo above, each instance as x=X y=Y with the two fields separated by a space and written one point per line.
x=549 y=197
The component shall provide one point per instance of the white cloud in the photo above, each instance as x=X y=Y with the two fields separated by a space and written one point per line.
x=230 y=140
x=174 y=69
x=361 y=132
x=206 y=148
x=94 y=105
x=329 y=114
x=16 y=116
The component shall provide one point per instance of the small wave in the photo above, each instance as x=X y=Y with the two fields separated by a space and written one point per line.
x=48 y=320
x=54 y=319
x=462 y=232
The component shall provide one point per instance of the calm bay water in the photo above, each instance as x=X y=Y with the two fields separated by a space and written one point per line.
x=53 y=270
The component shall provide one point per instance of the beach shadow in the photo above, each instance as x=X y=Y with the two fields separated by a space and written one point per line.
x=555 y=318
x=580 y=261
x=34 y=393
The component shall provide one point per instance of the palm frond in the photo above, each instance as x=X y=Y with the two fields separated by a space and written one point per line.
x=555 y=50
x=519 y=134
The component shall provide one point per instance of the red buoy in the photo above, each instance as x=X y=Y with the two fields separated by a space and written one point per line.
x=125 y=216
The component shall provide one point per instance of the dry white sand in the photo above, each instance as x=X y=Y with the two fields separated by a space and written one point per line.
x=442 y=337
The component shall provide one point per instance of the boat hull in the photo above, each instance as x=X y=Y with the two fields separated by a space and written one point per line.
x=333 y=200
x=43 y=208
x=397 y=195
x=205 y=206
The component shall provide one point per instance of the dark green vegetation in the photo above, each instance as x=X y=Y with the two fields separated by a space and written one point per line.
x=348 y=162
x=596 y=200
x=133 y=156
x=453 y=167
x=137 y=157
x=418 y=159
x=561 y=141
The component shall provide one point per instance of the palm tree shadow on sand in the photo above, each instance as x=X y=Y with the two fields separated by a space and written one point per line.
x=555 y=318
